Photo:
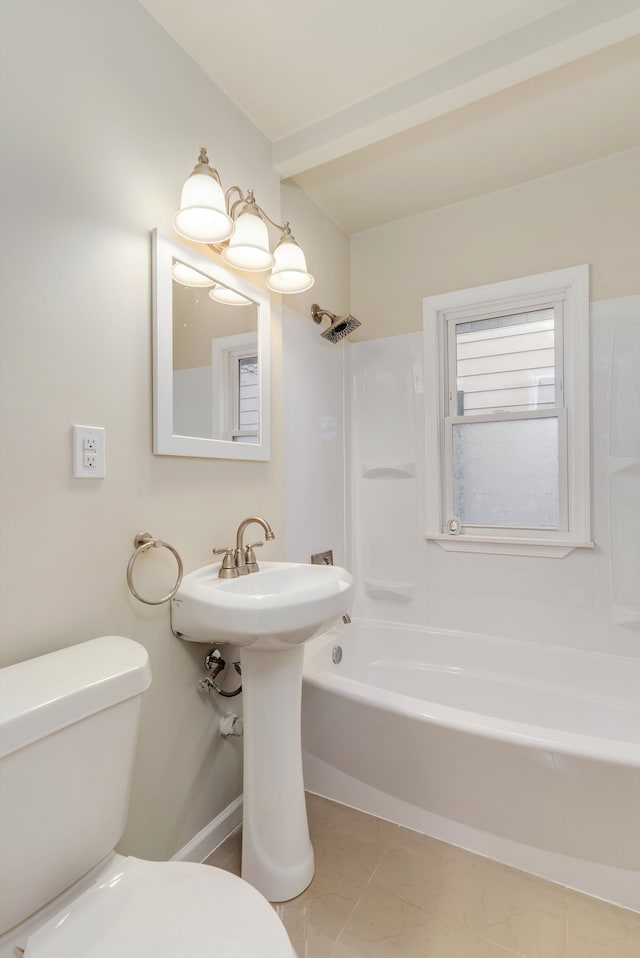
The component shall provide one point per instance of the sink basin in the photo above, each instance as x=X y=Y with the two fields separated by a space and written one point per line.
x=281 y=606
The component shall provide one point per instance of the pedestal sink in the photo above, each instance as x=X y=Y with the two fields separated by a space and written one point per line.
x=269 y=614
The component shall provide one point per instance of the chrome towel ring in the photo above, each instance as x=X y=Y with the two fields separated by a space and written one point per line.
x=142 y=542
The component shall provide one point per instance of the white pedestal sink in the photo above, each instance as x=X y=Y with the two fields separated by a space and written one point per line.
x=269 y=614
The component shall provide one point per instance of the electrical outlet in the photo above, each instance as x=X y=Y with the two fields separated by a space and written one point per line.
x=88 y=452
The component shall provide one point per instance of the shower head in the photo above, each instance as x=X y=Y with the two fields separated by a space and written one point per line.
x=338 y=328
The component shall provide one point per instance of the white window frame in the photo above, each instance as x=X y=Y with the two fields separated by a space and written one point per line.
x=568 y=291
x=226 y=353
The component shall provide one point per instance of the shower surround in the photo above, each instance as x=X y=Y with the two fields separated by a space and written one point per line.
x=589 y=600
x=556 y=608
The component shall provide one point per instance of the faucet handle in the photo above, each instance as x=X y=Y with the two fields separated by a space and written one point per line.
x=250 y=556
x=228 y=569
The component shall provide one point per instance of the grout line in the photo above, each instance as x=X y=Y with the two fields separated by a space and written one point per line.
x=364 y=889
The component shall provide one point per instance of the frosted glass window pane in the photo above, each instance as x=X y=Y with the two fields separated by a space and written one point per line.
x=506 y=362
x=248 y=394
x=506 y=473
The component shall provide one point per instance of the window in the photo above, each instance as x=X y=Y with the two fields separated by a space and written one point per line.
x=245 y=395
x=236 y=398
x=507 y=373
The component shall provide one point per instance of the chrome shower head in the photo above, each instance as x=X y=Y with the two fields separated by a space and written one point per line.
x=339 y=327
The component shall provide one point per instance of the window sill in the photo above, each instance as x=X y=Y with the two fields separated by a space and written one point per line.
x=506 y=545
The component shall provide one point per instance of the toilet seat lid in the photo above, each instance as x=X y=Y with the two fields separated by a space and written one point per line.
x=164 y=910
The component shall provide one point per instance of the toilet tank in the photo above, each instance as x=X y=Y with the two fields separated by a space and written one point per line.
x=68 y=730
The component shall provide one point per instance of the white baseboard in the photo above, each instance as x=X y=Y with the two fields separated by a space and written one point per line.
x=212 y=835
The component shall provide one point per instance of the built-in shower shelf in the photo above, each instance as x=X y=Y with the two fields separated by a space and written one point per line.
x=383 y=589
x=389 y=470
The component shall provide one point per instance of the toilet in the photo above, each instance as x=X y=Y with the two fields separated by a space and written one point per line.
x=68 y=729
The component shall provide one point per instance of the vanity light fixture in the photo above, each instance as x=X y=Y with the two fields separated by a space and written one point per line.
x=238 y=230
x=249 y=244
x=203 y=215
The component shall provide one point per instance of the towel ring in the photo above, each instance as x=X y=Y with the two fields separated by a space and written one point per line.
x=142 y=542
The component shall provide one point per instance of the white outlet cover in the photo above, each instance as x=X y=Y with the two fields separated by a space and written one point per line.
x=81 y=468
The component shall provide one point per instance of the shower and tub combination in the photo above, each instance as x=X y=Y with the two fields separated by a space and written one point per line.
x=526 y=754
x=517 y=738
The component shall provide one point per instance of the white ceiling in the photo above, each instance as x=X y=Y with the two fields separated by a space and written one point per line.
x=380 y=109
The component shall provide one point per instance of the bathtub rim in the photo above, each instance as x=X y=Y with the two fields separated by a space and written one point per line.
x=558 y=741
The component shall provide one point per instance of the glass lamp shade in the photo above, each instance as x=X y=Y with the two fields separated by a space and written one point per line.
x=229 y=297
x=249 y=246
x=187 y=276
x=289 y=274
x=202 y=216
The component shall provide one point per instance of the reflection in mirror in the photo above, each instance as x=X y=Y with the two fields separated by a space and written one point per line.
x=215 y=365
x=211 y=370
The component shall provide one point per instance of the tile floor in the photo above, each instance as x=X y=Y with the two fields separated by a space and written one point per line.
x=381 y=891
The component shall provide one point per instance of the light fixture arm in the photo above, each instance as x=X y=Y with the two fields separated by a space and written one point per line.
x=284 y=228
x=231 y=207
x=249 y=200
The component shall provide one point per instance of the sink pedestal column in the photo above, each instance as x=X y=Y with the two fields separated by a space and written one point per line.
x=277 y=856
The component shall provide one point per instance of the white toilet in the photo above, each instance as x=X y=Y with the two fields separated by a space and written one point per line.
x=68 y=727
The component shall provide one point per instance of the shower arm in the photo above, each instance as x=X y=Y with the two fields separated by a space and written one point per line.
x=317 y=314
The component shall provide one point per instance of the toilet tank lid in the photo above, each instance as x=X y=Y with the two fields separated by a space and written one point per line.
x=44 y=694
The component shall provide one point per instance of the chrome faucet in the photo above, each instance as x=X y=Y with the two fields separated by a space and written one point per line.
x=244 y=557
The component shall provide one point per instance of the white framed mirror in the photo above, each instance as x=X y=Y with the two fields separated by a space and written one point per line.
x=210 y=358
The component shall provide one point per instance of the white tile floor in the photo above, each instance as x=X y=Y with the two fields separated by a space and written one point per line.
x=381 y=891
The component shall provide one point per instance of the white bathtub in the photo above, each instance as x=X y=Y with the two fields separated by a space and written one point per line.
x=527 y=754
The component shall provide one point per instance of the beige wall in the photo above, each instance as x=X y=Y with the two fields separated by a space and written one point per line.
x=588 y=214
x=327 y=252
x=102 y=118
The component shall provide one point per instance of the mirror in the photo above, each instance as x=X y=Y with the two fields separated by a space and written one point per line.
x=211 y=358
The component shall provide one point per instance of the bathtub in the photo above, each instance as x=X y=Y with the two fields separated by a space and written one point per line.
x=527 y=754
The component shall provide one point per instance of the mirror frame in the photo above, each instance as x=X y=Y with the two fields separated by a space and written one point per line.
x=165 y=442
